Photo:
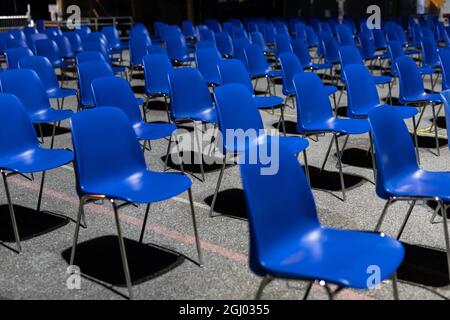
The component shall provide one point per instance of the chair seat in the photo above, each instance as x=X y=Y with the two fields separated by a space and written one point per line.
x=143 y=186
x=274 y=73
x=318 y=66
x=153 y=131
x=35 y=160
x=58 y=93
x=62 y=64
x=119 y=69
x=424 y=97
x=140 y=101
x=404 y=112
x=268 y=102
x=340 y=125
x=183 y=59
x=330 y=89
x=409 y=52
x=329 y=255
x=425 y=70
x=382 y=79
x=51 y=115
x=420 y=183
x=208 y=115
x=157 y=92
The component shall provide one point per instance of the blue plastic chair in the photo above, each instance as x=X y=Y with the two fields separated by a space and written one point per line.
x=47 y=75
x=232 y=99
x=88 y=72
x=16 y=43
x=4 y=37
x=430 y=57
x=75 y=40
x=444 y=58
x=344 y=36
x=49 y=49
x=18 y=34
x=188 y=29
x=330 y=50
x=138 y=49
x=412 y=91
x=213 y=24
x=20 y=151
x=191 y=100
x=205 y=44
x=395 y=50
x=239 y=32
x=363 y=95
x=117 y=92
x=368 y=48
x=315 y=115
x=33 y=96
x=239 y=49
x=269 y=34
x=300 y=32
x=294 y=245
x=233 y=71
x=379 y=39
x=301 y=50
x=258 y=39
x=105 y=135
x=13 y=55
x=207 y=60
x=311 y=37
x=224 y=44
x=207 y=35
x=113 y=37
x=90 y=55
x=282 y=44
x=399 y=176
x=64 y=46
x=83 y=32
x=177 y=49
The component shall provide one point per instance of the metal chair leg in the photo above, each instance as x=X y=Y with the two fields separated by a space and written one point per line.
x=446 y=234
x=264 y=282
x=383 y=214
x=405 y=221
x=123 y=252
x=41 y=189
x=308 y=290
x=341 y=174
x=179 y=152
x=169 y=145
x=166 y=104
x=372 y=154
x=326 y=155
x=395 y=287
x=11 y=213
x=219 y=181
x=144 y=108
x=53 y=136
x=416 y=140
x=144 y=224
x=305 y=159
x=77 y=232
x=194 y=224
x=200 y=146
x=435 y=129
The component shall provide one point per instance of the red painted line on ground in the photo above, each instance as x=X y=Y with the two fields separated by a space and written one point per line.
x=161 y=230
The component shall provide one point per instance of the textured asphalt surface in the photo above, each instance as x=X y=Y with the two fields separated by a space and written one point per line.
x=164 y=266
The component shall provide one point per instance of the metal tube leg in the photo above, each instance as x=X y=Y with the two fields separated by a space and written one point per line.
x=11 y=213
x=305 y=159
x=383 y=214
x=327 y=155
x=194 y=224
x=308 y=290
x=435 y=130
x=167 y=109
x=446 y=235
x=405 y=221
x=123 y=252
x=179 y=153
x=341 y=174
x=77 y=231
x=219 y=181
x=372 y=154
x=202 y=170
x=395 y=286
x=53 y=136
x=416 y=140
x=144 y=109
x=264 y=282
x=167 y=153
x=141 y=237
x=283 y=124
x=41 y=133
x=41 y=192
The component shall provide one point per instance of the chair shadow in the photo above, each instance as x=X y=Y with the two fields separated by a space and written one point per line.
x=424 y=266
x=100 y=259
x=138 y=89
x=138 y=76
x=356 y=157
x=291 y=127
x=429 y=142
x=342 y=111
x=440 y=121
x=330 y=180
x=156 y=105
x=230 y=203
x=210 y=164
x=30 y=223
x=433 y=205
x=395 y=101
x=47 y=130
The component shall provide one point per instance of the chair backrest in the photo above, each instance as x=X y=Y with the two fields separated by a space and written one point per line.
x=331 y=49
x=282 y=43
x=17 y=134
x=26 y=85
x=98 y=37
x=49 y=49
x=188 y=29
x=75 y=40
x=83 y=32
x=18 y=34
x=4 y=37
x=301 y=50
x=361 y=89
x=64 y=46
x=156 y=48
x=207 y=60
x=258 y=39
x=13 y=56
x=224 y=43
x=344 y=35
x=234 y=71
x=44 y=70
x=88 y=72
x=290 y=66
x=312 y=100
x=256 y=61
x=239 y=45
x=138 y=49
x=156 y=70
x=367 y=45
x=444 y=56
x=90 y=55
x=188 y=92
x=116 y=92
x=214 y=25
x=445 y=94
x=96 y=46
x=394 y=157
x=379 y=38
x=239 y=32
x=35 y=37
x=16 y=43
x=267 y=227
x=176 y=47
x=411 y=82
x=232 y=99
x=430 y=57
x=105 y=146
x=311 y=37
x=207 y=35
x=300 y=31
x=269 y=34
x=112 y=35
x=350 y=55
